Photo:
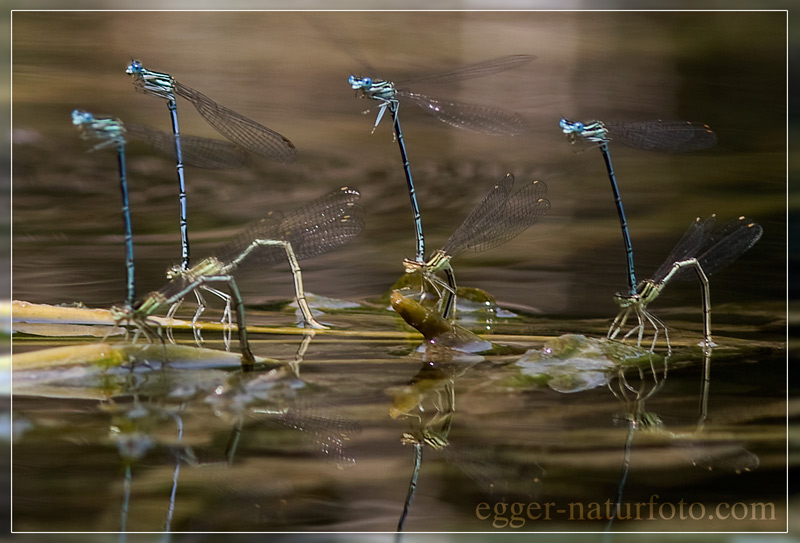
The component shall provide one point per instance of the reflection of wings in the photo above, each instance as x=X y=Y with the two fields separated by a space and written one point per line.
x=323 y=423
x=497 y=470
x=725 y=457
x=277 y=400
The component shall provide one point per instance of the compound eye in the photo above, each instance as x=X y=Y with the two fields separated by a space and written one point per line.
x=578 y=125
x=367 y=81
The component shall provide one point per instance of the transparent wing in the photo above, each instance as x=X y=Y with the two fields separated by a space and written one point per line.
x=245 y=132
x=198 y=152
x=501 y=219
x=668 y=136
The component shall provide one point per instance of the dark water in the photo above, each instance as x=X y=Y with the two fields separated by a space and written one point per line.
x=510 y=440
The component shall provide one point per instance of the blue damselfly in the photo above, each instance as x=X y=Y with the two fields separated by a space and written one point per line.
x=111 y=133
x=483 y=119
x=667 y=136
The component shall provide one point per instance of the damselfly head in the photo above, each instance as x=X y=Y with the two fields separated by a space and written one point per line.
x=569 y=127
x=134 y=68
x=360 y=86
x=109 y=130
x=122 y=313
x=591 y=131
x=411 y=266
x=359 y=83
x=174 y=271
x=80 y=117
x=626 y=300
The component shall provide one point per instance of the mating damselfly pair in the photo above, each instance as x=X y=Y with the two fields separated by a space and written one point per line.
x=501 y=215
x=703 y=248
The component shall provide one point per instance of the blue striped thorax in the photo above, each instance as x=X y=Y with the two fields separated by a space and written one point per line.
x=108 y=129
x=594 y=131
x=149 y=82
x=377 y=89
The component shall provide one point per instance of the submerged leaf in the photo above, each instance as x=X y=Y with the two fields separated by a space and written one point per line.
x=573 y=362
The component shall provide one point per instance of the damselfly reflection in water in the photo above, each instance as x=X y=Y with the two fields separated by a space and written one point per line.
x=133 y=430
x=280 y=398
x=273 y=410
x=703 y=249
x=482 y=119
x=427 y=403
x=673 y=137
x=308 y=231
x=635 y=416
x=245 y=132
x=689 y=443
x=500 y=217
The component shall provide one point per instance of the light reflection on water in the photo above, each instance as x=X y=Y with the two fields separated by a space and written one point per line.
x=290 y=71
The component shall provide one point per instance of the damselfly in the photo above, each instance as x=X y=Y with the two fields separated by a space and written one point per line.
x=111 y=132
x=703 y=249
x=668 y=136
x=309 y=231
x=239 y=129
x=499 y=217
x=483 y=119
